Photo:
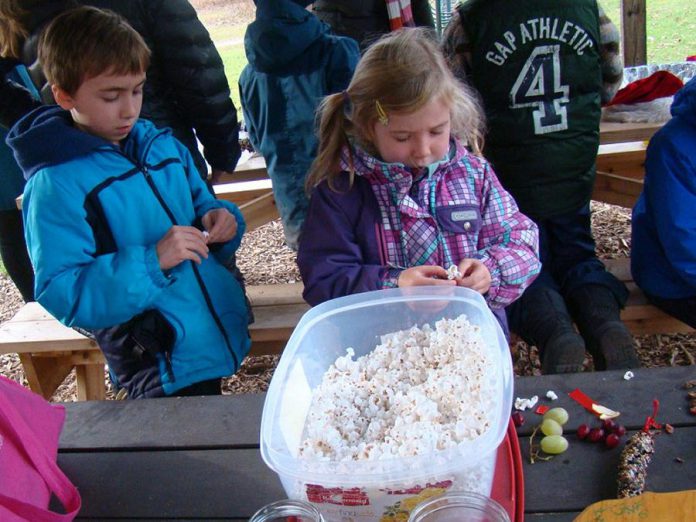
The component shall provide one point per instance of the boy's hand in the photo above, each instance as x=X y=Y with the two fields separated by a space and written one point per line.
x=475 y=275
x=424 y=275
x=220 y=224
x=181 y=244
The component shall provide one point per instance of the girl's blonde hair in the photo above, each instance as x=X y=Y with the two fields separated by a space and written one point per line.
x=401 y=72
x=12 y=28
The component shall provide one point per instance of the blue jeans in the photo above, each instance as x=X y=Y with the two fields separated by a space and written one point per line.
x=291 y=200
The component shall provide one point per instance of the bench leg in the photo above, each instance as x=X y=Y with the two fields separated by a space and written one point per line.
x=45 y=374
x=90 y=382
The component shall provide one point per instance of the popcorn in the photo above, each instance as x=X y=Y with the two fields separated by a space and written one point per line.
x=453 y=272
x=523 y=404
x=420 y=390
x=551 y=395
x=628 y=375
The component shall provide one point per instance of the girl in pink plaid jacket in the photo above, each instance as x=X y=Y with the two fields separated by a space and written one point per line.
x=401 y=194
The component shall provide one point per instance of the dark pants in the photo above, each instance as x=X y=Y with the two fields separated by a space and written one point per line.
x=13 y=250
x=211 y=387
x=569 y=260
x=682 y=309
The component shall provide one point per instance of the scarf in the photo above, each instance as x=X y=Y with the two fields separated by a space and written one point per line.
x=400 y=14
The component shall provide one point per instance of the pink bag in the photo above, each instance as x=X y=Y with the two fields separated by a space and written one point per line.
x=29 y=432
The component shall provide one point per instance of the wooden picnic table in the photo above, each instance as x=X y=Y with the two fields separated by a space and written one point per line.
x=198 y=458
x=616 y=132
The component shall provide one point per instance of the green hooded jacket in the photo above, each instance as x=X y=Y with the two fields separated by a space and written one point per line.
x=537 y=66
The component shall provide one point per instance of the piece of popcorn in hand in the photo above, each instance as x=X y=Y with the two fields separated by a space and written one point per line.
x=453 y=272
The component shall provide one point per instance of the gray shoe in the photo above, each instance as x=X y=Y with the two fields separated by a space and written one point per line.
x=597 y=313
x=563 y=353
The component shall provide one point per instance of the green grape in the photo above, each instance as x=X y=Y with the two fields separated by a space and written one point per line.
x=554 y=444
x=560 y=415
x=551 y=427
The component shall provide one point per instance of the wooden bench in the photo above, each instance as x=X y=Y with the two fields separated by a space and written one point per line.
x=49 y=350
x=640 y=316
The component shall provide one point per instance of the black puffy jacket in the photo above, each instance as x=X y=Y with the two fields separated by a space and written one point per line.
x=186 y=87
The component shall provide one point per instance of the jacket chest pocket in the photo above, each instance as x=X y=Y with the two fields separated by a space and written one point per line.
x=459 y=219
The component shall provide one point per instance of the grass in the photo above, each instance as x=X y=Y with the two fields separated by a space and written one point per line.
x=234 y=59
x=671 y=28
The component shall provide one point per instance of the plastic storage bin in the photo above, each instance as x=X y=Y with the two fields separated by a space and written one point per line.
x=377 y=490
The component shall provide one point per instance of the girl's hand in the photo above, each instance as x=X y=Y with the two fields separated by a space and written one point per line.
x=220 y=224
x=475 y=275
x=181 y=244
x=424 y=275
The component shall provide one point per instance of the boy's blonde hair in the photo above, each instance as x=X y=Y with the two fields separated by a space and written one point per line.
x=85 y=42
x=12 y=28
x=401 y=72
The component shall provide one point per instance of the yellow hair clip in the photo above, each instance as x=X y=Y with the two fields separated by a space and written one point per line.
x=381 y=114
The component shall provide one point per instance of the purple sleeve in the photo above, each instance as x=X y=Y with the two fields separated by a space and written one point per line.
x=337 y=251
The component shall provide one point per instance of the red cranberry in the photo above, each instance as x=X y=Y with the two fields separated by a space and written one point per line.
x=595 y=435
x=517 y=418
x=583 y=431
x=612 y=440
x=608 y=425
x=620 y=430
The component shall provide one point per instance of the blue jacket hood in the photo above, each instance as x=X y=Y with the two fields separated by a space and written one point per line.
x=281 y=33
x=46 y=136
x=684 y=104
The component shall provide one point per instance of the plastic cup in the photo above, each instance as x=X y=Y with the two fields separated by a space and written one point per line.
x=457 y=506
x=287 y=511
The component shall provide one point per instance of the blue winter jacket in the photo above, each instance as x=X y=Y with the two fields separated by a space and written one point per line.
x=294 y=61
x=94 y=213
x=663 y=249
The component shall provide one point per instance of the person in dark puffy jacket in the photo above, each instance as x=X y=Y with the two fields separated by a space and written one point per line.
x=366 y=20
x=543 y=68
x=294 y=61
x=13 y=248
x=186 y=89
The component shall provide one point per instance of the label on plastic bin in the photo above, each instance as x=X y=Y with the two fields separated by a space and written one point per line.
x=362 y=504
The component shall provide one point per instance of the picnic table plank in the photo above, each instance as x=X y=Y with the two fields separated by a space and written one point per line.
x=561 y=479
x=618 y=132
x=632 y=398
x=228 y=421
x=167 y=485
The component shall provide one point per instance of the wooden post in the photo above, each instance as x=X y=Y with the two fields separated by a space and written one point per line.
x=634 y=35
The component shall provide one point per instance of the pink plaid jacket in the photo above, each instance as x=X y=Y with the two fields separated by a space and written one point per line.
x=458 y=211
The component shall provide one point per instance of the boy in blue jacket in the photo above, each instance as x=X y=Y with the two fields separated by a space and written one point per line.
x=663 y=246
x=294 y=61
x=124 y=236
